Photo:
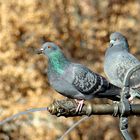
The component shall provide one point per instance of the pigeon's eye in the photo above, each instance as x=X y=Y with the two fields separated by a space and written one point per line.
x=49 y=47
x=116 y=39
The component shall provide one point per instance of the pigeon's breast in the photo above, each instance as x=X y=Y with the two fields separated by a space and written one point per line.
x=110 y=67
x=52 y=77
x=116 y=66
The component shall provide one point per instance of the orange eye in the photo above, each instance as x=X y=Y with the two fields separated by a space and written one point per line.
x=49 y=46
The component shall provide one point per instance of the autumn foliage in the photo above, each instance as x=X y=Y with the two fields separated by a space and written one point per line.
x=82 y=29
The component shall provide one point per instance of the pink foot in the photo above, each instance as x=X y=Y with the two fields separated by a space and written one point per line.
x=130 y=99
x=80 y=105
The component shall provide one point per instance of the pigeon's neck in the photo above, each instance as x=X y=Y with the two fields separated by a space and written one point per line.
x=126 y=45
x=58 y=62
x=118 y=48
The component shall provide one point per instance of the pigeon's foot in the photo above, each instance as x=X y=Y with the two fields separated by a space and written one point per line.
x=80 y=105
x=131 y=99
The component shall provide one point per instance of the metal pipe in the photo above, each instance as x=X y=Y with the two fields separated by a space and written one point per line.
x=67 y=108
x=135 y=109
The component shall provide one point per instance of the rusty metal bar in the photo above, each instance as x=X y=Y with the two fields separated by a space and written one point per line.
x=67 y=108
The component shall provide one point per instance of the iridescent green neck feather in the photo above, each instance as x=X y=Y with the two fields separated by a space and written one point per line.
x=57 y=62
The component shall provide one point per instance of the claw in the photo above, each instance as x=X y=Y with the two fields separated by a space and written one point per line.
x=80 y=105
x=131 y=100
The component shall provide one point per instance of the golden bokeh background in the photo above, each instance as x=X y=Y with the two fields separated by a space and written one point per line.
x=82 y=29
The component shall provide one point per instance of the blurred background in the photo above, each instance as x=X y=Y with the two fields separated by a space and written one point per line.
x=82 y=29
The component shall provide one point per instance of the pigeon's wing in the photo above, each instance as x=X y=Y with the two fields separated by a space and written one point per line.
x=129 y=62
x=86 y=81
x=135 y=80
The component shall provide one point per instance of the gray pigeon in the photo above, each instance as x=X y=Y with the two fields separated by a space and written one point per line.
x=75 y=80
x=118 y=61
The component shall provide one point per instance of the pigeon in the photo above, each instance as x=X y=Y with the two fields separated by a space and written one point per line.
x=118 y=60
x=74 y=80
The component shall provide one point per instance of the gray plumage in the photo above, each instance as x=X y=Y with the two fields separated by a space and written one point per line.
x=75 y=80
x=118 y=61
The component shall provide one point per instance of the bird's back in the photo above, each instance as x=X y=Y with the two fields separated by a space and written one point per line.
x=91 y=84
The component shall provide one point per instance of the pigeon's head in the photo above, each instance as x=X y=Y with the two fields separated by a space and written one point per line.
x=49 y=48
x=117 y=38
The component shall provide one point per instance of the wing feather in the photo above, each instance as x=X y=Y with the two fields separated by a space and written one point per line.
x=87 y=82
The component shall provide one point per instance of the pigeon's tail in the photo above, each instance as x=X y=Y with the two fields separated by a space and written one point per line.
x=112 y=92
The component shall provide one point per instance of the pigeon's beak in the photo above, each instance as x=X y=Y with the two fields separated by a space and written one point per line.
x=111 y=43
x=40 y=51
